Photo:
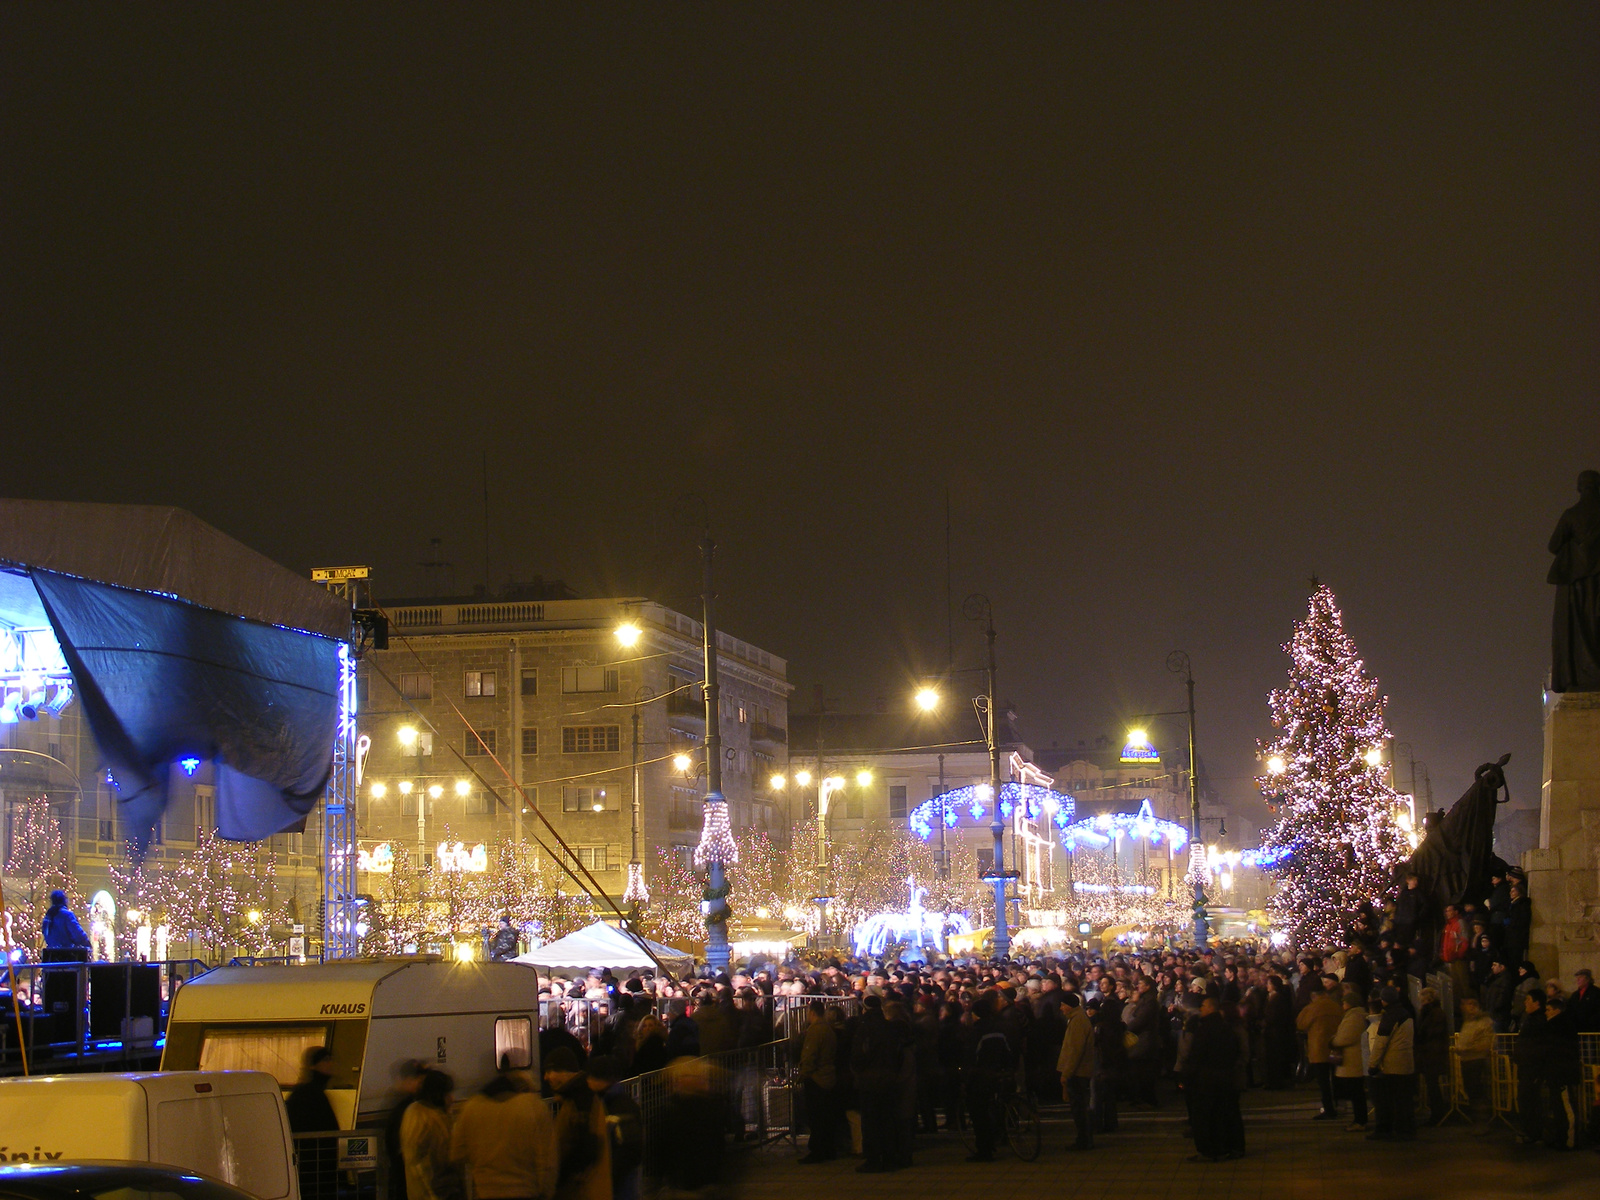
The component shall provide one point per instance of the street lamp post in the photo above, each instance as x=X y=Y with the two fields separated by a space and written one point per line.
x=978 y=608
x=1178 y=663
x=636 y=895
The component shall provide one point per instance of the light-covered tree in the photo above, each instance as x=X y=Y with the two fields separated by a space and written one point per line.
x=36 y=866
x=1337 y=831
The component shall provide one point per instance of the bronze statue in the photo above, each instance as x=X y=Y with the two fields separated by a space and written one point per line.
x=1575 y=645
x=1456 y=858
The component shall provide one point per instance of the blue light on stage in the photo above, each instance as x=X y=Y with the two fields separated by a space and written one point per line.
x=189 y=765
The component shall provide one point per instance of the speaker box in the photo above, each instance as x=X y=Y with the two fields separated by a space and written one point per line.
x=113 y=996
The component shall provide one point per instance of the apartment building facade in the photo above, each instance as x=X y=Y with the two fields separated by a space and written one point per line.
x=489 y=718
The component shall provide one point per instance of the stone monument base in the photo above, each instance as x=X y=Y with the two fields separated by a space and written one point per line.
x=1564 y=872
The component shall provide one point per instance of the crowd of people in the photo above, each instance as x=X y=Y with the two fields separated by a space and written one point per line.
x=906 y=1050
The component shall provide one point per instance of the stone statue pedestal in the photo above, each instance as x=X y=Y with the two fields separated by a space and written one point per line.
x=1564 y=872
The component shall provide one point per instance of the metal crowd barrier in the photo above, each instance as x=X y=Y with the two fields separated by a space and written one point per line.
x=1589 y=1060
x=1462 y=1101
x=789 y=1012
x=1504 y=1077
x=348 y=1164
x=755 y=1085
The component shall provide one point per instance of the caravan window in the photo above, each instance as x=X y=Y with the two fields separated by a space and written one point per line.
x=275 y=1049
x=513 y=1042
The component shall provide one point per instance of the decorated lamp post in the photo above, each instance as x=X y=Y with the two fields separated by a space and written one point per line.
x=716 y=851
x=637 y=895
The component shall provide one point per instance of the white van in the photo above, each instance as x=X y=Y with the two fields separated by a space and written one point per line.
x=229 y=1125
x=372 y=1013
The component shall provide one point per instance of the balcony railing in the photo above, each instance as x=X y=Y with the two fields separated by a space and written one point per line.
x=761 y=731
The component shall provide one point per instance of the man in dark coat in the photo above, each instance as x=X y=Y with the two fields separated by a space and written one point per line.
x=1209 y=1078
x=1584 y=1003
x=875 y=1059
x=1358 y=971
x=1519 y=921
x=983 y=1075
x=504 y=946
x=308 y=1111
x=1532 y=1054
x=60 y=925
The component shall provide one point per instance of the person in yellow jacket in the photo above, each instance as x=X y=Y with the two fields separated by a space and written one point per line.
x=506 y=1140
x=1319 y=1020
x=580 y=1118
x=1392 y=1066
x=1350 y=1072
x=425 y=1141
x=1075 y=1065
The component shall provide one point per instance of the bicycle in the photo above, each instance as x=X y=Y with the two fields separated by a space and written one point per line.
x=1019 y=1119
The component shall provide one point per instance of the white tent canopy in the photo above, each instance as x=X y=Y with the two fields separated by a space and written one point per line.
x=601 y=945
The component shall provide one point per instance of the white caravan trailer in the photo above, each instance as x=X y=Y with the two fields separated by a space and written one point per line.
x=373 y=1014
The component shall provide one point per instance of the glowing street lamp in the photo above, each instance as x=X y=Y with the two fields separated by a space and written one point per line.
x=435 y=791
x=379 y=790
x=777 y=783
x=463 y=786
x=407 y=735
x=927 y=699
x=1374 y=757
x=681 y=762
x=1276 y=765
x=803 y=778
x=863 y=778
x=628 y=635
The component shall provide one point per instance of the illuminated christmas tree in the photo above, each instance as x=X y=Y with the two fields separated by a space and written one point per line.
x=37 y=865
x=1336 y=824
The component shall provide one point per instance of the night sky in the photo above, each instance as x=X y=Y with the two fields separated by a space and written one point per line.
x=1180 y=308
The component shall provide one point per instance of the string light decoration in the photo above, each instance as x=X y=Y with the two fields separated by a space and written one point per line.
x=38 y=859
x=972 y=802
x=210 y=893
x=636 y=892
x=716 y=838
x=1199 y=867
x=1336 y=838
x=1100 y=831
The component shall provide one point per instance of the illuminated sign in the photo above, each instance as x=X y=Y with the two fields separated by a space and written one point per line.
x=377 y=861
x=1139 y=749
x=459 y=859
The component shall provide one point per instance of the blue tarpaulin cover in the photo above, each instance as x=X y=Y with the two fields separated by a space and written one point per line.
x=185 y=643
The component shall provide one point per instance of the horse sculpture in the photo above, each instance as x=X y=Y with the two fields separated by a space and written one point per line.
x=1456 y=858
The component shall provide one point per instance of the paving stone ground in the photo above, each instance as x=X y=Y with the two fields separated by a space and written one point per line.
x=1290 y=1157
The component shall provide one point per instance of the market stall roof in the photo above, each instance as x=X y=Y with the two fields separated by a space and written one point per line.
x=183 y=646
x=601 y=945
